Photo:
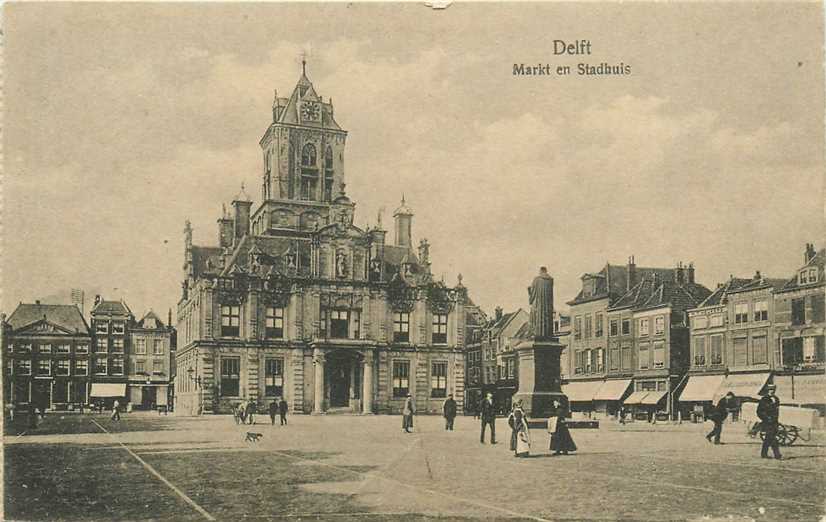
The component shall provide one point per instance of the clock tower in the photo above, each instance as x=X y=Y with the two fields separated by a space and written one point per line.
x=303 y=148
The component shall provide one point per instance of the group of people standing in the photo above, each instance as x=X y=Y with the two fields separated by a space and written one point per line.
x=560 y=441
x=449 y=410
x=244 y=412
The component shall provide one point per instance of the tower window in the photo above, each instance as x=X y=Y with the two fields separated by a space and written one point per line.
x=308 y=155
x=328 y=158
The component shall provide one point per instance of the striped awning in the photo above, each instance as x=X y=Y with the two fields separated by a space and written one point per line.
x=636 y=397
x=701 y=388
x=612 y=390
x=581 y=391
x=653 y=398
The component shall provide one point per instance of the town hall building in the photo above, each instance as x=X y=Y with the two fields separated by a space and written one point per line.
x=295 y=301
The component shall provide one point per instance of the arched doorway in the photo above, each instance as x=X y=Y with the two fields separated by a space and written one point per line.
x=343 y=380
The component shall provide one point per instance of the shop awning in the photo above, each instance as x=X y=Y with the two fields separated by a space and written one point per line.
x=743 y=385
x=102 y=389
x=803 y=389
x=701 y=388
x=636 y=397
x=653 y=398
x=581 y=391
x=612 y=390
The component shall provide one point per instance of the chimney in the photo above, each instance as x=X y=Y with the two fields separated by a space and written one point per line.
x=691 y=272
x=37 y=302
x=97 y=299
x=169 y=318
x=498 y=312
x=757 y=276
x=189 y=269
x=225 y=229
x=631 y=274
x=404 y=222
x=679 y=273
x=241 y=205
x=810 y=253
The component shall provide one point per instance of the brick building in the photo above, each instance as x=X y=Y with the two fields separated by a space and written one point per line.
x=150 y=355
x=46 y=356
x=297 y=301
x=110 y=324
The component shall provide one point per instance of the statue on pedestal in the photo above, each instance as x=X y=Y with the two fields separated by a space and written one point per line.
x=541 y=299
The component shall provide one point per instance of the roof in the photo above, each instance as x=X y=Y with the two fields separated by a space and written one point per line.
x=111 y=307
x=150 y=315
x=678 y=297
x=200 y=256
x=64 y=316
x=817 y=261
x=718 y=296
x=759 y=283
x=612 y=282
x=304 y=90
x=498 y=325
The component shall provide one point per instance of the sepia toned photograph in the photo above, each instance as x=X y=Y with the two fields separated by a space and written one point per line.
x=378 y=261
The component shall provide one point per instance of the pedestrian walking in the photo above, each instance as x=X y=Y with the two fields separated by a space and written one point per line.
x=520 y=434
x=622 y=414
x=273 y=411
x=487 y=412
x=282 y=410
x=251 y=410
x=768 y=410
x=561 y=440
x=242 y=412
x=718 y=414
x=116 y=410
x=407 y=414
x=449 y=410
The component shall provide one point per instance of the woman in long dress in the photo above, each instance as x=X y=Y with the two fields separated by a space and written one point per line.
x=520 y=435
x=561 y=441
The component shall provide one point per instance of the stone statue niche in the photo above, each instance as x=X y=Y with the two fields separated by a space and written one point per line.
x=540 y=378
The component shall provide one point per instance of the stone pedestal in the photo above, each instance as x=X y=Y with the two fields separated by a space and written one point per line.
x=540 y=381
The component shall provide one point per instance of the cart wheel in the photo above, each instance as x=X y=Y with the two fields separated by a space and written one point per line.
x=782 y=435
x=793 y=433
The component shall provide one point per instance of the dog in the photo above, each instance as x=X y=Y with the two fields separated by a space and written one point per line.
x=253 y=437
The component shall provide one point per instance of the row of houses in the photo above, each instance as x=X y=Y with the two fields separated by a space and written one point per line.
x=54 y=359
x=656 y=342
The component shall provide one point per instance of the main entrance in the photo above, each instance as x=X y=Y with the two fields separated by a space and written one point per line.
x=343 y=379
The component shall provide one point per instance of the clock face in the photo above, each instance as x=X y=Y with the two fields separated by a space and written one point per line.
x=309 y=111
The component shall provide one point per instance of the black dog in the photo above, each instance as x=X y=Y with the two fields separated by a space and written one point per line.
x=253 y=437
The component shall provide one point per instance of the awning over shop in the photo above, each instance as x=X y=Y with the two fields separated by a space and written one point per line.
x=612 y=390
x=101 y=389
x=581 y=391
x=701 y=388
x=636 y=397
x=743 y=385
x=653 y=398
x=802 y=389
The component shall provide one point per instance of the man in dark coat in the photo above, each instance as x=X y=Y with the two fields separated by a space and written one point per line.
x=488 y=414
x=282 y=410
x=273 y=411
x=251 y=410
x=768 y=410
x=449 y=412
x=718 y=415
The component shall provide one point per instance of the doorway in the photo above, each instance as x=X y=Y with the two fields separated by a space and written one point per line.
x=149 y=397
x=340 y=384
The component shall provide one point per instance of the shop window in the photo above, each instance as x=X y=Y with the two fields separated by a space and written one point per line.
x=741 y=313
x=401 y=327
x=798 y=311
x=230 y=376
x=62 y=367
x=716 y=349
x=274 y=377
x=401 y=378
x=230 y=320
x=614 y=328
x=761 y=311
x=439 y=328
x=274 y=322
x=699 y=351
x=659 y=354
x=438 y=379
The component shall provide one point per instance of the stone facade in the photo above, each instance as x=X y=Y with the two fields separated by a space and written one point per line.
x=297 y=302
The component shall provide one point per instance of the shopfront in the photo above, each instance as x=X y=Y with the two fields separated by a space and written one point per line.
x=609 y=397
x=696 y=399
x=581 y=395
x=802 y=389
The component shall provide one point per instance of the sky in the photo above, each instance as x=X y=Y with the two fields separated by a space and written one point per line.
x=122 y=121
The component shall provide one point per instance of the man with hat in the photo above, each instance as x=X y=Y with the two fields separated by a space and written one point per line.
x=718 y=415
x=488 y=415
x=407 y=414
x=768 y=410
